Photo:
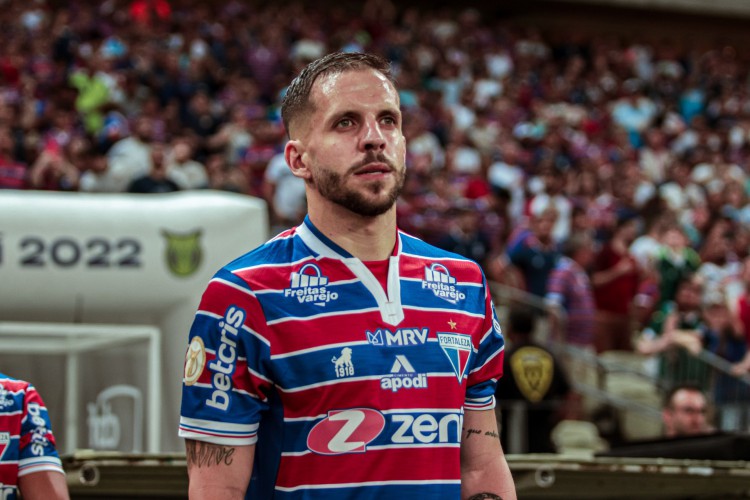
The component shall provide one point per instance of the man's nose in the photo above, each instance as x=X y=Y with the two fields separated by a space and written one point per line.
x=372 y=136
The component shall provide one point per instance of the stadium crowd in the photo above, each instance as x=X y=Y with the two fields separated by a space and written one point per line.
x=605 y=175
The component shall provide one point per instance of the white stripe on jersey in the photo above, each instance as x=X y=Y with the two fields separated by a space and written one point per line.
x=329 y=285
x=446 y=310
x=368 y=483
x=222 y=281
x=353 y=379
x=494 y=355
x=319 y=348
x=244 y=327
x=225 y=427
x=348 y=312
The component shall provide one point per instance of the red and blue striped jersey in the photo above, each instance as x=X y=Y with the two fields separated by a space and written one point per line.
x=26 y=441
x=347 y=390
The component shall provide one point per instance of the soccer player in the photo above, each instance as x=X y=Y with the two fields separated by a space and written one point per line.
x=344 y=358
x=28 y=458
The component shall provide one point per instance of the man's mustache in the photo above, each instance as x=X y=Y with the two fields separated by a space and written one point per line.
x=372 y=158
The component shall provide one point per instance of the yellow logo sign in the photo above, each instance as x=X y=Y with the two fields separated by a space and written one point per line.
x=195 y=360
x=533 y=369
x=184 y=253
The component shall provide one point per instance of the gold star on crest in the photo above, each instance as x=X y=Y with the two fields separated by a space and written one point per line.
x=452 y=324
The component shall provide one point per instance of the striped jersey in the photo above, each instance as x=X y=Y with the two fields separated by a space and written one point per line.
x=26 y=441
x=348 y=391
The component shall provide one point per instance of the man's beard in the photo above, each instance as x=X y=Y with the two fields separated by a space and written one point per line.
x=331 y=186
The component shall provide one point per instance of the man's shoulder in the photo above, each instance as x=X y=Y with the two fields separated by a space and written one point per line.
x=284 y=248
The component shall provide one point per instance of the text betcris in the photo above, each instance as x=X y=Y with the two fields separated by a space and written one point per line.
x=226 y=355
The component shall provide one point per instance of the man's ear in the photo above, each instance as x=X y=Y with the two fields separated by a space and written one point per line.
x=294 y=156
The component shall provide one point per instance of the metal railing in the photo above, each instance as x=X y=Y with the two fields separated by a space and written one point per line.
x=634 y=384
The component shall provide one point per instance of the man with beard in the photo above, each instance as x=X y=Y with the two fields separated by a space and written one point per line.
x=345 y=358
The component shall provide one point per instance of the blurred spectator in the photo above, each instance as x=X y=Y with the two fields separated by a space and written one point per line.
x=464 y=234
x=157 y=180
x=129 y=158
x=570 y=294
x=52 y=171
x=675 y=261
x=678 y=330
x=685 y=412
x=534 y=391
x=233 y=137
x=553 y=195
x=615 y=277
x=182 y=168
x=223 y=176
x=532 y=251
x=285 y=194
x=13 y=174
x=645 y=248
x=634 y=111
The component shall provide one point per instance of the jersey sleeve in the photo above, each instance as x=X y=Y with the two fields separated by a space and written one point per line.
x=557 y=286
x=487 y=365
x=227 y=380
x=37 y=451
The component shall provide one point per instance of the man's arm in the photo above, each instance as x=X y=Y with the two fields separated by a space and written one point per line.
x=43 y=485
x=484 y=472
x=218 y=471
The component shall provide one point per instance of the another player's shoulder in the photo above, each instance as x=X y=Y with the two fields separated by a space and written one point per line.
x=279 y=250
x=15 y=385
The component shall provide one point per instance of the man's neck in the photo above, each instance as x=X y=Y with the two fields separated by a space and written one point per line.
x=367 y=238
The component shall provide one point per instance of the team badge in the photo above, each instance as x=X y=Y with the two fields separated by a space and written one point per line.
x=195 y=360
x=184 y=254
x=457 y=346
x=532 y=368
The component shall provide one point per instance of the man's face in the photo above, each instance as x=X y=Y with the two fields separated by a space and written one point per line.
x=686 y=416
x=352 y=146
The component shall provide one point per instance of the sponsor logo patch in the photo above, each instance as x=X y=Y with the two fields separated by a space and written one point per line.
x=226 y=355
x=352 y=430
x=345 y=431
x=195 y=360
x=403 y=376
x=308 y=285
x=342 y=364
x=399 y=338
x=457 y=347
x=438 y=279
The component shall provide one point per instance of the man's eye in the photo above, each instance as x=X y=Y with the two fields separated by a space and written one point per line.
x=344 y=122
x=389 y=120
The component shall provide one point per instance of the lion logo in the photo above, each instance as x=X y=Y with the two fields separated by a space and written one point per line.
x=343 y=364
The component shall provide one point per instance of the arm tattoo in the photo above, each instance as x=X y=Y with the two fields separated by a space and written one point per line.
x=485 y=496
x=200 y=454
x=470 y=432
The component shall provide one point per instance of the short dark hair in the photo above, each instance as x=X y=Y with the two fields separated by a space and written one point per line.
x=297 y=97
x=685 y=386
x=576 y=241
x=521 y=320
